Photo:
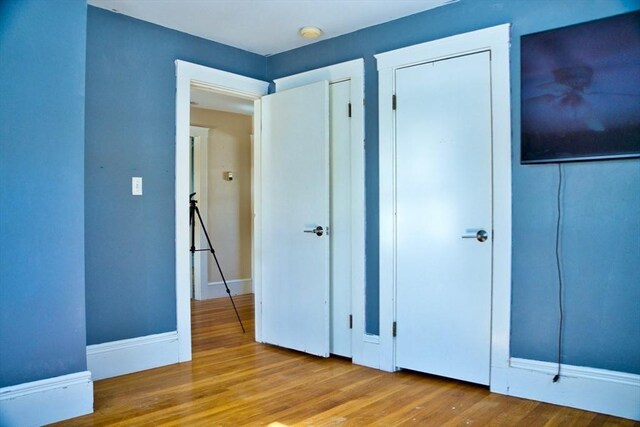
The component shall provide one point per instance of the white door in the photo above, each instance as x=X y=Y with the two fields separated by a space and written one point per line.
x=443 y=142
x=340 y=126
x=295 y=202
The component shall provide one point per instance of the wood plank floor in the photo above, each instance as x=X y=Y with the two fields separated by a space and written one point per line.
x=233 y=381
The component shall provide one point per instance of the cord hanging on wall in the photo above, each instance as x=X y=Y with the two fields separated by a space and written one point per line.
x=556 y=378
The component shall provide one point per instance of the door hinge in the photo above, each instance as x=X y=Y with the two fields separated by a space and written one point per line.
x=394 y=329
x=351 y=321
x=349 y=109
x=394 y=102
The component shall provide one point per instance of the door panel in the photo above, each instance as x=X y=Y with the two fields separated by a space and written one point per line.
x=443 y=139
x=295 y=198
x=340 y=126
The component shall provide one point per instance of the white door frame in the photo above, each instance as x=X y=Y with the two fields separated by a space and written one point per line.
x=351 y=70
x=495 y=40
x=222 y=82
x=200 y=187
x=248 y=88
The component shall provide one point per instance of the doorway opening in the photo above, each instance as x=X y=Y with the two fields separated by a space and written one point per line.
x=220 y=175
x=237 y=87
x=226 y=89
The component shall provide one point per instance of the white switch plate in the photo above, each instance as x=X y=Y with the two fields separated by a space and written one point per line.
x=136 y=185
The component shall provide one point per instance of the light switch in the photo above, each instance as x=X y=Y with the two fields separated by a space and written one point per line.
x=136 y=185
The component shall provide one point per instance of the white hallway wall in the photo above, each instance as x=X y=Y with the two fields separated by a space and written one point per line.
x=229 y=202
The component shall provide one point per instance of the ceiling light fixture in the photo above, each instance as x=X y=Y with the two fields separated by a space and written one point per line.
x=310 y=32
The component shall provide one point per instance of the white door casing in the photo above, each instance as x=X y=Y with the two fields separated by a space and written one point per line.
x=222 y=82
x=496 y=41
x=200 y=278
x=295 y=201
x=443 y=199
x=231 y=84
x=340 y=184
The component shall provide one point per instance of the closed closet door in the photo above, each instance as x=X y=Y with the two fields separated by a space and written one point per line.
x=444 y=217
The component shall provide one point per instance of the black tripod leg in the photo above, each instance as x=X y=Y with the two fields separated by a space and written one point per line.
x=192 y=207
x=215 y=258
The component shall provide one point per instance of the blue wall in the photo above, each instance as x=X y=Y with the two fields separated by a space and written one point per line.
x=601 y=243
x=128 y=247
x=130 y=128
x=130 y=131
x=42 y=88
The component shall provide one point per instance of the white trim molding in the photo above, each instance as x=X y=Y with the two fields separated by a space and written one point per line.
x=200 y=167
x=218 y=81
x=591 y=389
x=353 y=69
x=47 y=401
x=122 y=357
x=496 y=40
x=256 y=204
x=236 y=286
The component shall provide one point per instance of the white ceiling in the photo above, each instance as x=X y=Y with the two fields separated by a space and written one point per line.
x=266 y=27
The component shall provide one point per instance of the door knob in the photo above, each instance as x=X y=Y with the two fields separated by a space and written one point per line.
x=319 y=231
x=480 y=236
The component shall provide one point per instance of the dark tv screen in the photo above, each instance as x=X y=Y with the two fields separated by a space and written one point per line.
x=580 y=91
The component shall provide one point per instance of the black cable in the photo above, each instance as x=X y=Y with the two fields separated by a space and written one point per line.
x=556 y=378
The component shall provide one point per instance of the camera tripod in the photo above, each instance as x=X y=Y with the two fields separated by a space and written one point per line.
x=193 y=208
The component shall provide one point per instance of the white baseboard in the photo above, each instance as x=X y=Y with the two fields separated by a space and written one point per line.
x=122 y=357
x=591 y=389
x=237 y=287
x=47 y=401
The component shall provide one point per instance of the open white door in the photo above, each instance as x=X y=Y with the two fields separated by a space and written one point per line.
x=294 y=219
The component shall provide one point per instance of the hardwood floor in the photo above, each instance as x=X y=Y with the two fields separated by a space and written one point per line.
x=233 y=381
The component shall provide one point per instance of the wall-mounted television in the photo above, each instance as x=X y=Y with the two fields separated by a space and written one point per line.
x=580 y=91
